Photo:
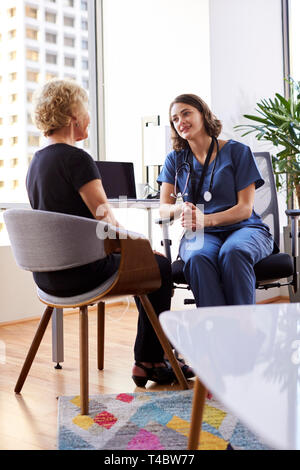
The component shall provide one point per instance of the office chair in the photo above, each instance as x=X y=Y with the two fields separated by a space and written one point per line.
x=49 y=241
x=269 y=271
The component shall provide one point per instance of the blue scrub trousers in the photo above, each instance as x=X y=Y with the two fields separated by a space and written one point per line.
x=219 y=265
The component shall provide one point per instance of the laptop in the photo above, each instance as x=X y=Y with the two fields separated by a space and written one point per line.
x=118 y=179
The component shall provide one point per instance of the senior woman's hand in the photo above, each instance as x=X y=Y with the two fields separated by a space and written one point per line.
x=191 y=217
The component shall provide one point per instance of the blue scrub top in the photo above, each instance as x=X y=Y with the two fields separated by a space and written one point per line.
x=235 y=170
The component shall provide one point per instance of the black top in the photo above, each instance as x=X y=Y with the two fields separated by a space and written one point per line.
x=54 y=177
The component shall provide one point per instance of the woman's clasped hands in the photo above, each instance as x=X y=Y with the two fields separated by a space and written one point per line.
x=192 y=218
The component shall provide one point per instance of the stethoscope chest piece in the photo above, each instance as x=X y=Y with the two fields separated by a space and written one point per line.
x=207 y=196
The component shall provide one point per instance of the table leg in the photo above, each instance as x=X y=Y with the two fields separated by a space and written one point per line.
x=197 y=414
x=57 y=337
x=149 y=221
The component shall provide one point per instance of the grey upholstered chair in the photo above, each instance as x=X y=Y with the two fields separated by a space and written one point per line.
x=269 y=271
x=49 y=241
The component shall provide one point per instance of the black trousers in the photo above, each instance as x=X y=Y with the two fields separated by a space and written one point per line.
x=147 y=347
x=78 y=280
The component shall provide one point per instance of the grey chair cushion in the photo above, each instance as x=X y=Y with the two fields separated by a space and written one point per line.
x=76 y=299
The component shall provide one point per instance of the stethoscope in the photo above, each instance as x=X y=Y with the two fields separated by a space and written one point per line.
x=188 y=166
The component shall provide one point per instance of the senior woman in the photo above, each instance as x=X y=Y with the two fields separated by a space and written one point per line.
x=64 y=178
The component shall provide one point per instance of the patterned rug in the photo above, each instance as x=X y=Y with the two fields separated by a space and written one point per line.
x=148 y=421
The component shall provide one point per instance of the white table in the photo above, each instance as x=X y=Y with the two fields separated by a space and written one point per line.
x=249 y=358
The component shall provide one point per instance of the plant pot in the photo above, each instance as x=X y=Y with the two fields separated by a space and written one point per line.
x=294 y=297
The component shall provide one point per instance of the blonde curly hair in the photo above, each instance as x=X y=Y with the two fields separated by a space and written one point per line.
x=54 y=104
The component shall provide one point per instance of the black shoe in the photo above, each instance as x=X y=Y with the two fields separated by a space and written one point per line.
x=187 y=371
x=160 y=375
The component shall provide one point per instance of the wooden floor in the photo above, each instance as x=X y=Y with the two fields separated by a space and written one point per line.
x=29 y=420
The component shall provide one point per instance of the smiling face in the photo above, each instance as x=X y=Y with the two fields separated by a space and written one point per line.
x=187 y=121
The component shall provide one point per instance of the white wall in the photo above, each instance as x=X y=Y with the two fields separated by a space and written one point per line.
x=18 y=297
x=246 y=66
x=153 y=51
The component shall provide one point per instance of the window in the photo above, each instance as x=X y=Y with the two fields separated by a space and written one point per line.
x=50 y=76
x=14 y=119
x=51 y=37
x=31 y=12
x=48 y=52
x=33 y=140
x=29 y=96
x=85 y=83
x=12 y=55
x=84 y=5
x=12 y=33
x=32 y=34
x=13 y=76
x=84 y=44
x=85 y=64
x=51 y=58
x=12 y=12
x=84 y=25
x=69 y=21
x=50 y=17
x=32 y=76
x=32 y=54
x=294 y=39
x=69 y=61
x=13 y=97
x=14 y=162
x=69 y=41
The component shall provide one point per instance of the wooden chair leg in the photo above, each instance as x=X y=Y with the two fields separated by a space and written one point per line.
x=197 y=414
x=163 y=341
x=100 y=334
x=33 y=348
x=84 y=360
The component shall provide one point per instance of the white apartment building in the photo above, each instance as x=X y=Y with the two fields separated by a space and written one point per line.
x=39 y=40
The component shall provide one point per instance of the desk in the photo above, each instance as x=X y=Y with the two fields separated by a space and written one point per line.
x=249 y=358
x=145 y=204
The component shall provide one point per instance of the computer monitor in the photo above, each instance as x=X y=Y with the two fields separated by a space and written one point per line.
x=117 y=179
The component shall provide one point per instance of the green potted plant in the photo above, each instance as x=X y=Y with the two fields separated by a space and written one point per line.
x=278 y=121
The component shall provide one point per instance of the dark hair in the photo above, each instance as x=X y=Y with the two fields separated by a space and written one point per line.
x=212 y=125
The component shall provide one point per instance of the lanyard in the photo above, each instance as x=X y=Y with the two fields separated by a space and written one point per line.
x=196 y=191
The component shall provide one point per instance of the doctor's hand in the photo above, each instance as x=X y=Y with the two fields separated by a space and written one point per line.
x=191 y=217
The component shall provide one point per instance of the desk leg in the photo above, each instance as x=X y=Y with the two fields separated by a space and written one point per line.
x=57 y=337
x=149 y=221
x=197 y=414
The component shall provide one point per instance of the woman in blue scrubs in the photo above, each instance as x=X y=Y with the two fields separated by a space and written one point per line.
x=224 y=238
